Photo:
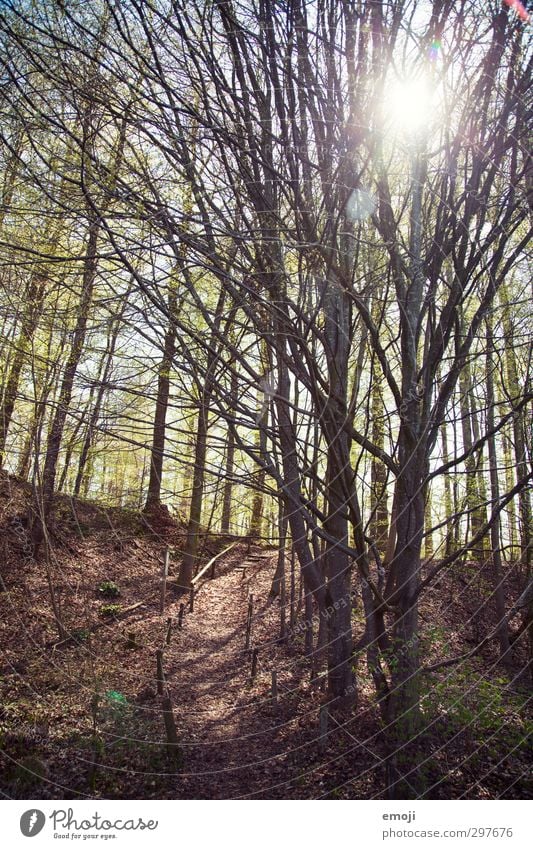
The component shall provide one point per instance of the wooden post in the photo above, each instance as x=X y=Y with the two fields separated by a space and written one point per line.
x=180 y=616
x=169 y=631
x=249 y=622
x=191 y=600
x=308 y=608
x=131 y=641
x=292 y=619
x=173 y=748
x=323 y=728
x=282 y=607
x=274 y=687
x=255 y=652
x=160 y=673
x=282 y=532
x=164 y=575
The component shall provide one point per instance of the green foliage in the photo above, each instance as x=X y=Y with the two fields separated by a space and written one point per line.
x=124 y=733
x=109 y=589
x=479 y=707
x=434 y=637
x=110 y=609
x=116 y=710
x=80 y=635
x=29 y=773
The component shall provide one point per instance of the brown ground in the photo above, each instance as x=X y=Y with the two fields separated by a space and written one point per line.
x=82 y=717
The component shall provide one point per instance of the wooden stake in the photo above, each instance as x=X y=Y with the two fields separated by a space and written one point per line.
x=292 y=619
x=308 y=607
x=191 y=600
x=180 y=616
x=160 y=673
x=274 y=687
x=164 y=575
x=173 y=748
x=169 y=631
x=282 y=607
x=249 y=622
x=255 y=652
x=282 y=531
x=323 y=728
x=131 y=641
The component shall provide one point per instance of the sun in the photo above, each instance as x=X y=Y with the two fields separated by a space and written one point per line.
x=408 y=104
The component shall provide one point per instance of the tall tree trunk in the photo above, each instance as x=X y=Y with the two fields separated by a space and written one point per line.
x=473 y=499
x=404 y=574
x=153 y=498
x=519 y=430
x=259 y=476
x=449 y=506
x=70 y=441
x=230 y=461
x=190 y=552
x=499 y=596
x=428 y=525
x=44 y=385
x=404 y=711
x=379 y=526
x=45 y=493
x=311 y=572
x=341 y=680
x=33 y=301
x=103 y=377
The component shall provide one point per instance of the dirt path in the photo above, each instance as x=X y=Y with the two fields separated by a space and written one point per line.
x=236 y=741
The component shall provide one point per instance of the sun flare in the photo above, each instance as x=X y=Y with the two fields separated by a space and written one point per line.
x=408 y=104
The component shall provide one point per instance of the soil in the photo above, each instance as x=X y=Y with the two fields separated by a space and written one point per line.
x=81 y=716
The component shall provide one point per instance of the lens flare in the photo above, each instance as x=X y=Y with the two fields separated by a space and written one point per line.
x=434 y=50
x=520 y=10
x=409 y=104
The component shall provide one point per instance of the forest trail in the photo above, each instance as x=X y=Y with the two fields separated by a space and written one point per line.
x=235 y=740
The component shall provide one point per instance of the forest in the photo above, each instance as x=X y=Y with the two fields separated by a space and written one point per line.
x=265 y=399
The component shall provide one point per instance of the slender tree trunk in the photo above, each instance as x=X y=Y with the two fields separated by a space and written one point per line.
x=187 y=477
x=428 y=524
x=259 y=477
x=449 y=507
x=514 y=548
x=190 y=552
x=473 y=489
x=404 y=574
x=379 y=527
x=71 y=440
x=230 y=462
x=519 y=430
x=44 y=498
x=32 y=309
x=499 y=596
x=404 y=711
x=340 y=646
x=104 y=373
x=153 y=498
x=313 y=580
x=43 y=385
